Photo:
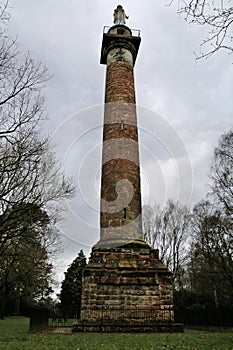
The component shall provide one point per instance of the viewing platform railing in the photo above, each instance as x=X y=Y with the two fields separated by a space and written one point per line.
x=135 y=32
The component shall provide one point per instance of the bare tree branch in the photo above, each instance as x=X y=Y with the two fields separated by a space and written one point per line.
x=214 y=14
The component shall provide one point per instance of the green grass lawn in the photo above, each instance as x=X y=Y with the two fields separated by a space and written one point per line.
x=14 y=336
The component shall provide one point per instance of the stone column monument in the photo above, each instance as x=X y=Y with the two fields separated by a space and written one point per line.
x=125 y=285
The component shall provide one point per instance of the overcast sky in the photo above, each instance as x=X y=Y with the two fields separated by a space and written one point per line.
x=183 y=105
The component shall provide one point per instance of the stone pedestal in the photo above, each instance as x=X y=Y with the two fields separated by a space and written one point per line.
x=126 y=286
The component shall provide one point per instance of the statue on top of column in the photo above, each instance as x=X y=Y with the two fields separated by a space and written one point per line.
x=119 y=15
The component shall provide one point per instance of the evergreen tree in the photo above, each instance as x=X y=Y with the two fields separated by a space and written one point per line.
x=71 y=288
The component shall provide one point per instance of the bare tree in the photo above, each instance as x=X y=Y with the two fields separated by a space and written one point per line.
x=31 y=181
x=28 y=169
x=211 y=254
x=167 y=229
x=217 y=15
x=221 y=173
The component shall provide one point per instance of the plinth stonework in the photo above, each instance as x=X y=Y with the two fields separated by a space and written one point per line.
x=124 y=282
x=127 y=277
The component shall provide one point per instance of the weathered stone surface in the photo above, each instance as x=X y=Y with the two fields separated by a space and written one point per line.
x=120 y=83
x=120 y=217
x=124 y=279
x=133 y=328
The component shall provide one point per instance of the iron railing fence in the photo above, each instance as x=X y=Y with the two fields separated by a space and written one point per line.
x=210 y=317
x=221 y=317
x=106 y=315
x=110 y=316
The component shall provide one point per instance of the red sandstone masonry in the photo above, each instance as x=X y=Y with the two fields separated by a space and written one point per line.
x=112 y=131
x=120 y=83
x=121 y=158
